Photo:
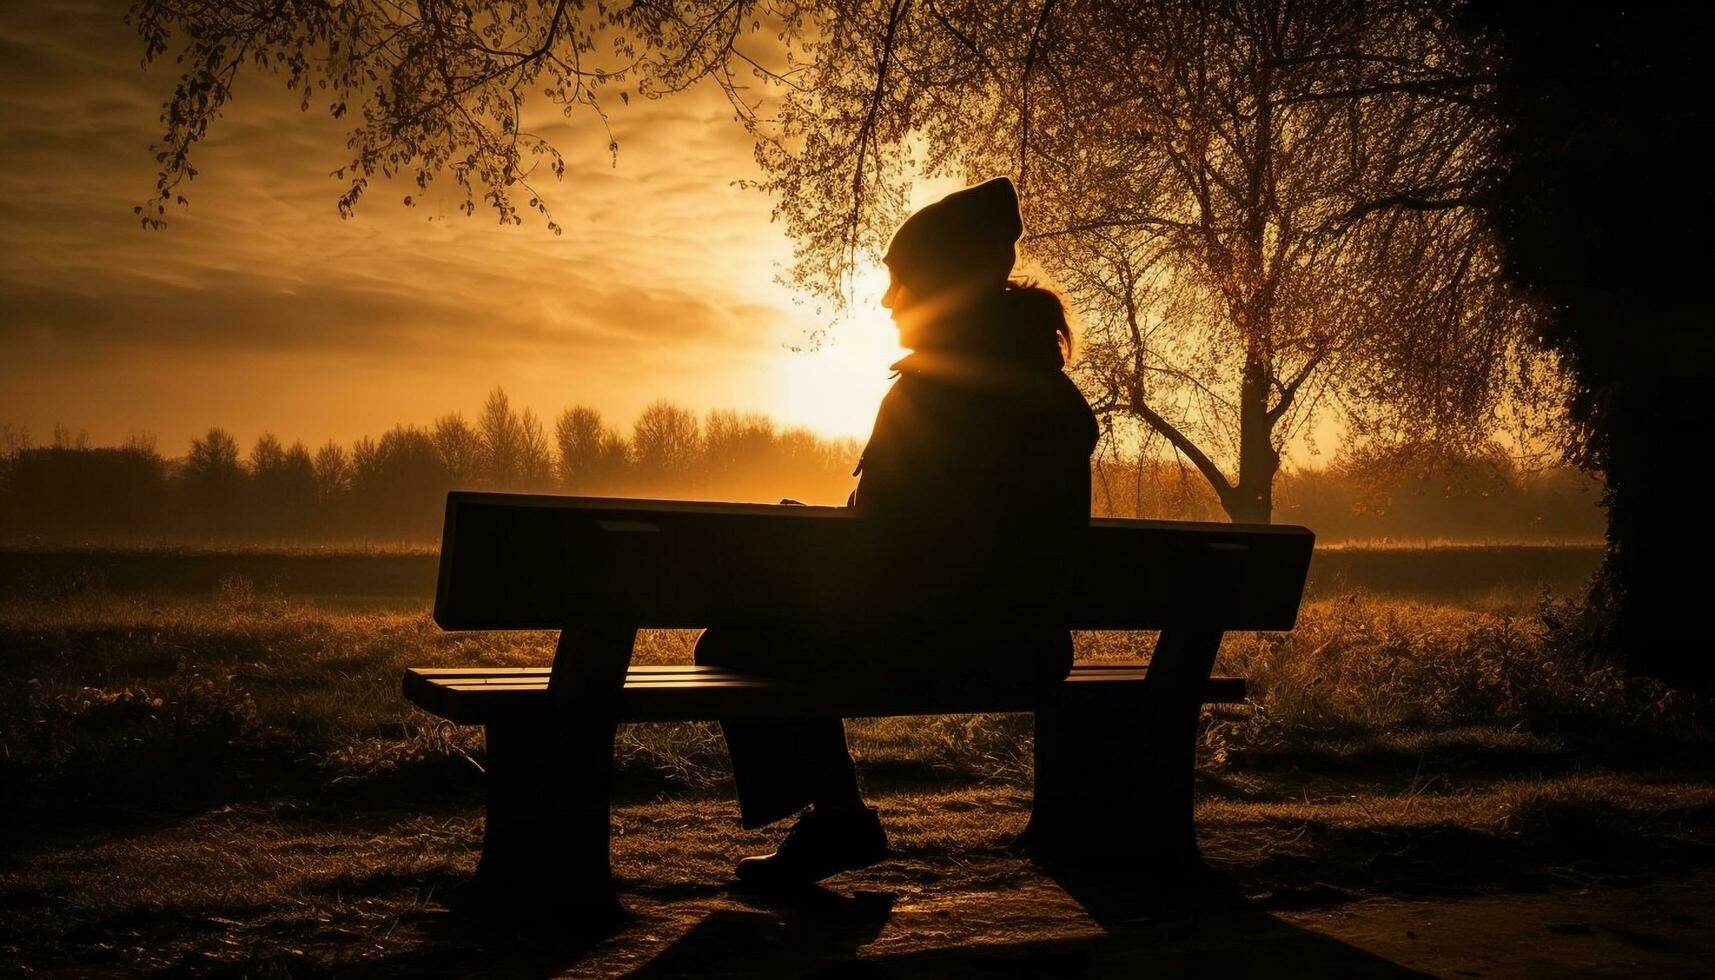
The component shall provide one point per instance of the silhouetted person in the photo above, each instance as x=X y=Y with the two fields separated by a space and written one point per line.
x=976 y=477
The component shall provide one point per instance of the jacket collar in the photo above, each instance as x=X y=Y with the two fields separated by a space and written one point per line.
x=968 y=370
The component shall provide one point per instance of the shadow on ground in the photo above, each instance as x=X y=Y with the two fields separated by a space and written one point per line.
x=1201 y=926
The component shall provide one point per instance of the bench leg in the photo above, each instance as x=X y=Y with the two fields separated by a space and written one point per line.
x=1115 y=773
x=545 y=839
x=545 y=843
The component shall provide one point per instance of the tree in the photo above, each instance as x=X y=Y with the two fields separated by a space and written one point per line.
x=14 y=439
x=332 y=468
x=65 y=437
x=434 y=89
x=739 y=452
x=1263 y=209
x=536 y=455
x=213 y=481
x=1605 y=213
x=460 y=448
x=398 y=482
x=77 y=493
x=591 y=455
x=665 y=445
x=283 y=492
x=515 y=453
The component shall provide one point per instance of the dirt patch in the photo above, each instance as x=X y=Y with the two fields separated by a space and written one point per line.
x=1306 y=881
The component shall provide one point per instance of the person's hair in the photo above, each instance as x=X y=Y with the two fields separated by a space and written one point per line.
x=1033 y=325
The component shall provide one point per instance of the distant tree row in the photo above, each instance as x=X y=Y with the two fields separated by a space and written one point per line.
x=392 y=488
x=1408 y=496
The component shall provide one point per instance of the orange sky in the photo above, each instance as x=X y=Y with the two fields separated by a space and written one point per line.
x=259 y=309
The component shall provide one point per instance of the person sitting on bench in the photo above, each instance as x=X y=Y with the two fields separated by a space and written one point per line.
x=977 y=473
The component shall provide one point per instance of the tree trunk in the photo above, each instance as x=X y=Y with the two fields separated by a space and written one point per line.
x=1251 y=499
x=1655 y=584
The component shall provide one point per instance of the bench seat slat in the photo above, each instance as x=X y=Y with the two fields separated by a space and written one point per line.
x=690 y=693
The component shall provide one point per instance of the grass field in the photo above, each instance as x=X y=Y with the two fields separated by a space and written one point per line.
x=230 y=782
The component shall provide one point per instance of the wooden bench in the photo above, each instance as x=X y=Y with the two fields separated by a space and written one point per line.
x=1114 y=743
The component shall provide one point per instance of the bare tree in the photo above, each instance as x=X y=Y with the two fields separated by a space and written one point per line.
x=398 y=482
x=665 y=444
x=735 y=443
x=66 y=437
x=267 y=454
x=1262 y=210
x=591 y=455
x=502 y=449
x=332 y=467
x=435 y=89
x=535 y=455
x=460 y=448
x=14 y=439
x=213 y=481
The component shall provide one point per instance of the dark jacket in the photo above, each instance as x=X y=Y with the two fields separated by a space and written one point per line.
x=978 y=477
x=976 y=444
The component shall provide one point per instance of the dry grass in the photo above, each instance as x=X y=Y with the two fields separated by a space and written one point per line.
x=110 y=700
x=234 y=782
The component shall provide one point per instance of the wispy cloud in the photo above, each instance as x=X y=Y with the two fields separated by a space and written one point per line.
x=660 y=286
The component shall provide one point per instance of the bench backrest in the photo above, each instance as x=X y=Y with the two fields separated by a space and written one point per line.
x=529 y=561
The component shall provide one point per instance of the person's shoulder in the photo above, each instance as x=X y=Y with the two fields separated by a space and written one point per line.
x=1080 y=416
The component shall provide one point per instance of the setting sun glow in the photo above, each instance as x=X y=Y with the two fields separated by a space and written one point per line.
x=834 y=388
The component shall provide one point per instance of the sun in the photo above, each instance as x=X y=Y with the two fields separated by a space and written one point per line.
x=835 y=388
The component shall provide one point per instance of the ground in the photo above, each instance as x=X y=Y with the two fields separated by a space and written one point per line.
x=1583 y=874
x=230 y=785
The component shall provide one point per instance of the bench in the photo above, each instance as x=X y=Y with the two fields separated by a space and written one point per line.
x=1114 y=743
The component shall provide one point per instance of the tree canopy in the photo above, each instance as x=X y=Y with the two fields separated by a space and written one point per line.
x=1604 y=212
x=433 y=90
x=1263 y=210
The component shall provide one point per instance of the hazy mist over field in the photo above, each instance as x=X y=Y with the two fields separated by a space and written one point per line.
x=391 y=488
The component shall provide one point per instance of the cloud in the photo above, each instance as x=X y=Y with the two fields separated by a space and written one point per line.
x=664 y=269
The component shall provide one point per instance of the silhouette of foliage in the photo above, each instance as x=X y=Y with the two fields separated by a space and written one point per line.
x=213 y=482
x=460 y=449
x=393 y=488
x=435 y=90
x=665 y=443
x=1263 y=211
x=283 y=494
x=592 y=456
x=1605 y=217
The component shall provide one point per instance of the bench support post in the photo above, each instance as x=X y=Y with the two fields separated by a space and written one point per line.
x=545 y=842
x=1114 y=773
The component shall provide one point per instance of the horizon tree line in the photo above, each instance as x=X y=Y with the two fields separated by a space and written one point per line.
x=393 y=487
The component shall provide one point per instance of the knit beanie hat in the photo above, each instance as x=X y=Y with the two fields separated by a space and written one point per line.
x=964 y=240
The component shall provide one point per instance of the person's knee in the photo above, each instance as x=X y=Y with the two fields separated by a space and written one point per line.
x=733 y=648
x=711 y=649
x=749 y=650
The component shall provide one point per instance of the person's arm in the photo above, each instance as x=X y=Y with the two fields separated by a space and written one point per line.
x=882 y=480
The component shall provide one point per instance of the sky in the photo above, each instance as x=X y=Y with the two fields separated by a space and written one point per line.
x=259 y=309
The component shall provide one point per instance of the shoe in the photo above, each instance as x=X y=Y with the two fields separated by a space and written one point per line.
x=818 y=845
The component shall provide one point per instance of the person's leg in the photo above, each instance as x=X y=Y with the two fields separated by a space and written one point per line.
x=780 y=767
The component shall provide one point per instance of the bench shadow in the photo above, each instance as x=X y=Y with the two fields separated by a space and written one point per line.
x=1195 y=922
x=1191 y=925
x=802 y=932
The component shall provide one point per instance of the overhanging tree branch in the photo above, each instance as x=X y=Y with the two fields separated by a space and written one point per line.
x=1024 y=92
